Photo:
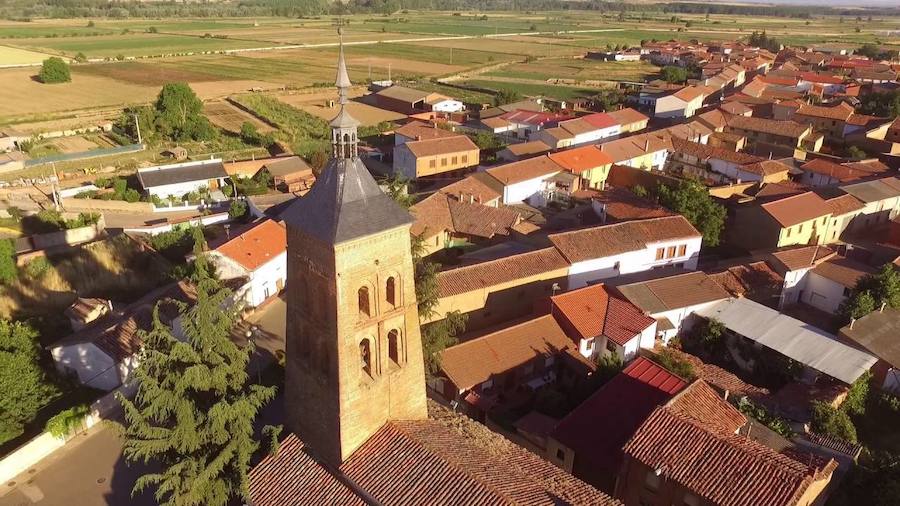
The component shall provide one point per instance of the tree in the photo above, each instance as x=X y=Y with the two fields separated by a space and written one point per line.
x=438 y=336
x=80 y=58
x=24 y=388
x=833 y=422
x=317 y=161
x=884 y=286
x=485 y=140
x=691 y=200
x=676 y=365
x=397 y=187
x=856 y=306
x=194 y=410
x=855 y=403
x=54 y=70
x=237 y=209
x=249 y=134
x=179 y=114
x=8 y=269
x=673 y=74
x=856 y=153
x=507 y=96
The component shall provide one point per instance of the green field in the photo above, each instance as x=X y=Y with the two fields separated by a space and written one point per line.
x=580 y=70
x=535 y=90
x=134 y=44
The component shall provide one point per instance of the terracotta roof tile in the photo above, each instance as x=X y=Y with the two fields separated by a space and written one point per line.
x=419 y=130
x=844 y=204
x=796 y=209
x=480 y=185
x=844 y=172
x=743 y=472
x=628 y=116
x=591 y=312
x=609 y=240
x=256 y=246
x=503 y=270
x=778 y=127
x=802 y=257
x=473 y=362
x=705 y=152
x=701 y=403
x=673 y=292
x=528 y=148
x=843 y=271
x=719 y=378
x=755 y=280
x=578 y=160
x=597 y=429
x=623 y=205
x=443 y=146
x=524 y=170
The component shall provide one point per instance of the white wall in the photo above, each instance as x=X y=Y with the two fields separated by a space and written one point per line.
x=404 y=162
x=448 y=106
x=177 y=189
x=92 y=366
x=581 y=273
x=264 y=280
x=823 y=293
x=794 y=282
x=670 y=107
x=517 y=193
x=733 y=170
x=682 y=318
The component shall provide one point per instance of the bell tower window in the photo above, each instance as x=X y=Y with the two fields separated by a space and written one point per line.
x=390 y=288
x=364 y=309
x=394 y=346
x=365 y=356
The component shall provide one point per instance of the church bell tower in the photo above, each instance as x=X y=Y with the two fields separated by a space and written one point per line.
x=353 y=348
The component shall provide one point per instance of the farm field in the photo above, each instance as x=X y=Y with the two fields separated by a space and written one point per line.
x=16 y=56
x=533 y=89
x=228 y=117
x=577 y=69
x=137 y=44
x=317 y=105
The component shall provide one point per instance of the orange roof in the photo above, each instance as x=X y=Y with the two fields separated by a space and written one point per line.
x=796 y=209
x=508 y=269
x=628 y=116
x=257 y=245
x=609 y=240
x=445 y=146
x=591 y=312
x=524 y=170
x=581 y=159
x=422 y=131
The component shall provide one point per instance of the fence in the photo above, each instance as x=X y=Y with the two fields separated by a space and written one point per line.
x=90 y=205
x=44 y=444
x=94 y=153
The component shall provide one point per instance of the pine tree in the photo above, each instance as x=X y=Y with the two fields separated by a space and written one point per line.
x=194 y=410
x=24 y=388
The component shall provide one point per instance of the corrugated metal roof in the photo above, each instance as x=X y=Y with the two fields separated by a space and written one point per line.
x=792 y=338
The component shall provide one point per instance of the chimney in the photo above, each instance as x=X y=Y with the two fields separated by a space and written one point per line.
x=647 y=145
x=418 y=137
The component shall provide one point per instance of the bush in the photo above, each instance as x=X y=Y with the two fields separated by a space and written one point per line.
x=54 y=70
x=36 y=268
x=8 y=269
x=833 y=422
x=237 y=210
x=676 y=365
x=80 y=58
x=761 y=414
x=67 y=421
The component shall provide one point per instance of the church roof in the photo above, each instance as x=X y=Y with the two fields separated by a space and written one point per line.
x=447 y=459
x=344 y=204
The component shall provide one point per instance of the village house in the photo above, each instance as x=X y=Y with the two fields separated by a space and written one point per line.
x=421 y=131
x=523 y=124
x=583 y=130
x=618 y=204
x=600 y=323
x=257 y=255
x=588 y=441
x=522 y=150
x=103 y=353
x=607 y=251
x=673 y=104
x=429 y=157
x=876 y=333
x=588 y=163
x=793 y=264
x=291 y=174
x=532 y=181
x=824 y=172
x=797 y=219
x=180 y=179
x=85 y=310
x=755 y=280
x=526 y=355
x=880 y=198
x=708 y=162
x=445 y=220
x=667 y=461
x=773 y=137
x=672 y=300
x=629 y=120
x=647 y=151
x=410 y=101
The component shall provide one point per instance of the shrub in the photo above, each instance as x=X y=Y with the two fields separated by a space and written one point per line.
x=80 y=58
x=761 y=414
x=833 y=422
x=54 y=70
x=8 y=268
x=238 y=209
x=36 y=268
x=67 y=421
x=676 y=365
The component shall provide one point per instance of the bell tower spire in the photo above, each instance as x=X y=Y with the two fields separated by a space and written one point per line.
x=343 y=126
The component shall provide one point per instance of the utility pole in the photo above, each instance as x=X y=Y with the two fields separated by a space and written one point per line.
x=54 y=188
x=137 y=126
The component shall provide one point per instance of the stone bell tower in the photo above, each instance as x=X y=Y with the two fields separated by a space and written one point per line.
x=353 y=348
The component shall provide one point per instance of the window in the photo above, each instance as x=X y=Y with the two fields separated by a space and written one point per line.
x=846 y=292
x=560 y=454
x=465 y=158
x=443 y=162
x=390 y=291
x=363 y=295
x=651 y=481
x=616 y=266
x=432 y=163
x=487 y=385
x=394 y=346
x=365 y=356
x=787 y=232
x=660 y=252
x=454 y=160
x=682 y=250
x=670 y=252
x=589 y=344
x=611 y=346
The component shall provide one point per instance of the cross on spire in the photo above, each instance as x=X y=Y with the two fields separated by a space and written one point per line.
x=343 y=126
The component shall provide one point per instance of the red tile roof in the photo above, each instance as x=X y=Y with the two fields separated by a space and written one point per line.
x=844 y=204
x=783 y=128
x=628 y=116
x=597 y=429
x=601 y=120
x=591 y=312
x=756 y=281
x=578 y=160
x=796 y=209
x=473 y=362
x=447 y=459
x=443 y=212
x=618 y=238
x=844 y=172
x=802 y=257
x=257 y=246
x=443 y=146
x=742 y=472
x=719 y=378
x=423 y=131
x=840 y=112
x=503 y=270
x=843 y=271
x=623 y=205
x=524 y=170
x=699 y=402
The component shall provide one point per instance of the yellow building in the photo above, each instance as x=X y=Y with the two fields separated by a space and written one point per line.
x=427 y=157
x=800 y=219
x=588 y=163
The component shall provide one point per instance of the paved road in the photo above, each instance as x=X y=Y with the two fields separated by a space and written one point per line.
x=90 y=471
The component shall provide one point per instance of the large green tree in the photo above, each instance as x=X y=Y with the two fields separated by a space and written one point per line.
x=24 y=387
x=194 y=411
x=54 y=70
x=691 y=199
x=870 y=292
x=179 y=114
x=673 y=74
